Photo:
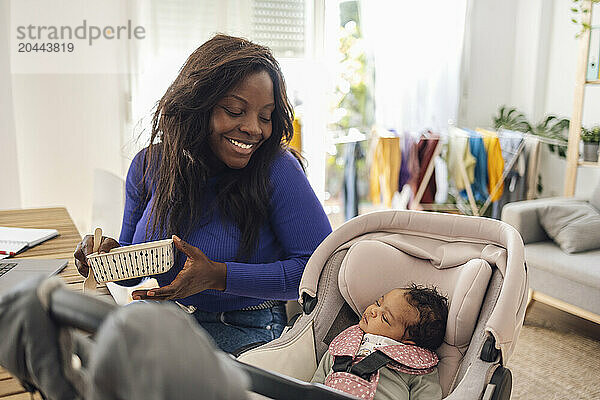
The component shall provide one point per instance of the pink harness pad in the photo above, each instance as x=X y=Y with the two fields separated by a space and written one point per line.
x=407 y=358
x=352 y=384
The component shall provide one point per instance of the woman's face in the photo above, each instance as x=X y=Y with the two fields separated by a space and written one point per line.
x=241 y=120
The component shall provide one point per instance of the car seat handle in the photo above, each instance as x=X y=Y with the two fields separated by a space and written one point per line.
x=489 y=352
x=308 y=303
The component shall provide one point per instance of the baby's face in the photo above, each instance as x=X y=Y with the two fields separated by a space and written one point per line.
x=389 y=316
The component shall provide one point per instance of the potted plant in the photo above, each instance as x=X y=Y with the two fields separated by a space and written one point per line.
x=591 y=139
x=553 y=127
x=510 y=118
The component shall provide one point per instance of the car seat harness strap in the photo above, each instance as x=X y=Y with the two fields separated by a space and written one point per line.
x=363 y=368
x=358 y=372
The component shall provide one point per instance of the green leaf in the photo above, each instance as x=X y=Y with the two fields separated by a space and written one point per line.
x=573 y=20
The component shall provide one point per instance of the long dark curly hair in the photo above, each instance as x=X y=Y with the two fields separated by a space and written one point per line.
x=179 y=156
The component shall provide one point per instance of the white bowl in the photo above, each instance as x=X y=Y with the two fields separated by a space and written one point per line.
x=133 y=261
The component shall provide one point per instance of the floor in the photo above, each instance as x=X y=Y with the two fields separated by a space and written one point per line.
x=557 y=356
x=549 y=317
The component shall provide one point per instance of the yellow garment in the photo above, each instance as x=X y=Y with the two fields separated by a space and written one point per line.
x=296 y=142
x=385 y=170
x=459 y=151
x=495 y=162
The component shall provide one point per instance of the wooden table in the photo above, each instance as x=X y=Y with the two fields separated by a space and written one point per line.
x=61 y=246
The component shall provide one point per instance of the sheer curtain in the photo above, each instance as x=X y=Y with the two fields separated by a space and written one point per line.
x=416 y=49
x=175 y=28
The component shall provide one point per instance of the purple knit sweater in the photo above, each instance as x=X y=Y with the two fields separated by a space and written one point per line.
x=297 y=224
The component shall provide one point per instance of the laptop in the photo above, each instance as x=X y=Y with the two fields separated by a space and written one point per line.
x=16 y=270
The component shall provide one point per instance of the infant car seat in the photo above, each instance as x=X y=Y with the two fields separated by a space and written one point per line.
x=477 y=262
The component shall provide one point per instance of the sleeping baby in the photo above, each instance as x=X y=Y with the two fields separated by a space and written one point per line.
x=390 y=353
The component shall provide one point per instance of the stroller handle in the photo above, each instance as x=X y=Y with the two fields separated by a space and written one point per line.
x=87 y=313
x=75 y=310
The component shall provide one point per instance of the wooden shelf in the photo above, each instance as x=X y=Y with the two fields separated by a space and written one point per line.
x=589 y=163
x=573 y=161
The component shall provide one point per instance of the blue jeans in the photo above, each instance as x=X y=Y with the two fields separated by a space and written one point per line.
x=233 y=329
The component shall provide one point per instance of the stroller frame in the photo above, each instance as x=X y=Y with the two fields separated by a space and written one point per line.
x=79 y=311
x=480 y=375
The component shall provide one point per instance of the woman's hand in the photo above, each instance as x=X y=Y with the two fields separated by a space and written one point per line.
x=199 y=273
x=86 y=246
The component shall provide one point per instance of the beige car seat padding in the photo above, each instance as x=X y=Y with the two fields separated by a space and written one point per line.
x=372 y=268
x=295 y=358
x=417 y=234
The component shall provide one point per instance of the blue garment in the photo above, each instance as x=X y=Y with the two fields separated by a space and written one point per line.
x=232 y=330
x=480 y=184
x=296 y=226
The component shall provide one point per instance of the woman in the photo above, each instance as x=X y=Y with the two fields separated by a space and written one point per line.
x=218 y=173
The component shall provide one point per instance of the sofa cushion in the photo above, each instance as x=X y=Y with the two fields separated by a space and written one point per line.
x=574 y=225
x=582 y=267
x=595 y=200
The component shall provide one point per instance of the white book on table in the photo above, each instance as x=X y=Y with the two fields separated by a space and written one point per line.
x=15 y=240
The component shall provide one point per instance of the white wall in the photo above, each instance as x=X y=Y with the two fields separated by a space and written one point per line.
x=9 y=173
x=506 y=60
x=564 y=48
x=524 y=54
x=68 y=125
x=531 y=53
x=62 y=135
x=487 y=65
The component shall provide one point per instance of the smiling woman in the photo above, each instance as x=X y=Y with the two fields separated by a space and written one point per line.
x=219 y=174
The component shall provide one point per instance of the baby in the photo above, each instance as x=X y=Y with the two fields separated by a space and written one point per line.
x=396 y=337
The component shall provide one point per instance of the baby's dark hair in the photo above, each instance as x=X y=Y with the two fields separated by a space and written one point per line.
x=429 y=331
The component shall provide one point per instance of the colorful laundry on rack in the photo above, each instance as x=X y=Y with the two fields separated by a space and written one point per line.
x=407 y=153
x=498 y=163
x=352 y=153
x=533 y=149
x=495 y=163
x=425 y=149
x=510 y=142
x=459 y=158
x=385 y=169
x=441 y=180
x=480 y=184
x=515 y=167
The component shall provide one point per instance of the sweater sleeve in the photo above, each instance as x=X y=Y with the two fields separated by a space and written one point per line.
x=134 y=199
x=300 y=225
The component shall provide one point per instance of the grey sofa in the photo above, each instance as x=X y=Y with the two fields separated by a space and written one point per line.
x=573 y=279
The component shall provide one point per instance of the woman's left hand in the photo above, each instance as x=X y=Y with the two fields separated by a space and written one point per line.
x=199 y=273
